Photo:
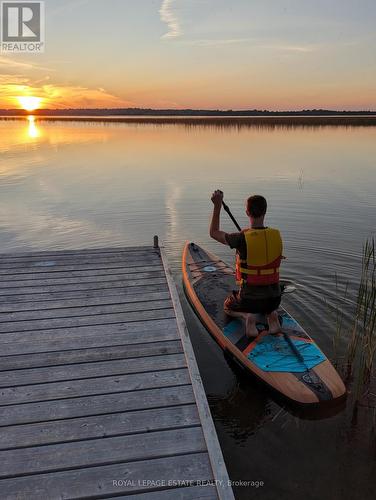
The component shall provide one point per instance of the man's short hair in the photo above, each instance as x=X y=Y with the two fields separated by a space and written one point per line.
x=256 y=206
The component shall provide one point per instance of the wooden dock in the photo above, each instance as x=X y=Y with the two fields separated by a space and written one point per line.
x=100 y=392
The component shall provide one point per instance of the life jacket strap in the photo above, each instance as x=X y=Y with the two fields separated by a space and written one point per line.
x=258 y=272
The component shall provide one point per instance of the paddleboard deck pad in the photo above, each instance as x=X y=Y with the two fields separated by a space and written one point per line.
x=309 y=378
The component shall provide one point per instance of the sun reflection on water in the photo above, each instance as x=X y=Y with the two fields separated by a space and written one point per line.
x=33 y=132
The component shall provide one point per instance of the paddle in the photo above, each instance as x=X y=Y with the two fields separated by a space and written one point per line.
x=294 y=348
x=231 y=216
x=292 y=288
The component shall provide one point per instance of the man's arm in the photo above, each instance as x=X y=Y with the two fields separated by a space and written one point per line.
x=214 y=231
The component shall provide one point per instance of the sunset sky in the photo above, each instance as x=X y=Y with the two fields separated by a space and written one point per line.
x=266 y=54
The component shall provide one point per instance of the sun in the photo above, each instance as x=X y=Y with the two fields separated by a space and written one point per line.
x=29 y=103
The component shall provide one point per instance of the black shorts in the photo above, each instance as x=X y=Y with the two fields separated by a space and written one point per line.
x=255 y=306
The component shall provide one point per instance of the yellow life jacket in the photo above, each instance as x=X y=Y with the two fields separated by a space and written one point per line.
x=264 y=255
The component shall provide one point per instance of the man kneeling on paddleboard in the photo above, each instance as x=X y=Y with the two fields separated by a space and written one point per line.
x=258 y=257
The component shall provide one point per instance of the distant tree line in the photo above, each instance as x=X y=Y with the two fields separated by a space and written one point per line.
x=181 y=112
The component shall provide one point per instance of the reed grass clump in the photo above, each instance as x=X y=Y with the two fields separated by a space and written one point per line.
x=218 y=122
x=361 y=348
x=339 y=317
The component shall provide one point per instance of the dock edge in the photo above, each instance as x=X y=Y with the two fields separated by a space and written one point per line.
x=217 y=462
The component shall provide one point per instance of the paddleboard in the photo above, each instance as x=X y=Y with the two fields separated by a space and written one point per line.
x=306 y=379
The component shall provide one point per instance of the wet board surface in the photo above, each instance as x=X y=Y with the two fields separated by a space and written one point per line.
x=309 y=378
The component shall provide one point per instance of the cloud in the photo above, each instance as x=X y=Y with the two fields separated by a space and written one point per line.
x=56 y=96
x=11 y=63
x=218 y=42
x=12 y=79
x=291 y=48
x=65 y=96
x=251 y=42
x=17 y=79
x=169 y=17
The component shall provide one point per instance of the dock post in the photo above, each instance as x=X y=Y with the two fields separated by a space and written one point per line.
x=156 y=242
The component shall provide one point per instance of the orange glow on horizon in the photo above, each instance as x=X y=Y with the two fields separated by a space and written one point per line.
x=29 y=103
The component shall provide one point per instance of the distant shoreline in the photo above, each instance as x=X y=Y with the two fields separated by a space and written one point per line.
x=124 y=112
x=270 y=121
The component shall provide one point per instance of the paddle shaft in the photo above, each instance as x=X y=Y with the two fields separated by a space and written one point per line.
x=231 y=216
x=293 y=348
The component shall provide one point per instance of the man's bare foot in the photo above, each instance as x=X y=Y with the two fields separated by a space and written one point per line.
x=250 y=327
x=273 y=322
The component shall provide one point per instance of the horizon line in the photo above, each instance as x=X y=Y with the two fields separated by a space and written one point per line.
x=191 y=110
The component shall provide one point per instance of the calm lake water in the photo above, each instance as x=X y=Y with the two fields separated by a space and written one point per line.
x=84 y=184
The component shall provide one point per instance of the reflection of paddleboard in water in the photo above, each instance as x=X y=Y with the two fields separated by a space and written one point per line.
x=305 y=378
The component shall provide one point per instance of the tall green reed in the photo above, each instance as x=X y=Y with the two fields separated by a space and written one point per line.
x=361 y=349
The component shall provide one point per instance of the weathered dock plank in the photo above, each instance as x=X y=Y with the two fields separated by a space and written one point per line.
x=127 y=296
x=206 y=492
x=113 y=424
x=80 y=309
x=156 y=310
x=100 y=394
x=39 y=281
x=88 y=337
x=95 y=452
x=82 y=252
x=100 y=404
x=100 y=385
x=92 y=285
x=99 y=482
x=106 y=353
x=17 y=299
x=63 y=267
x=94 y=369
